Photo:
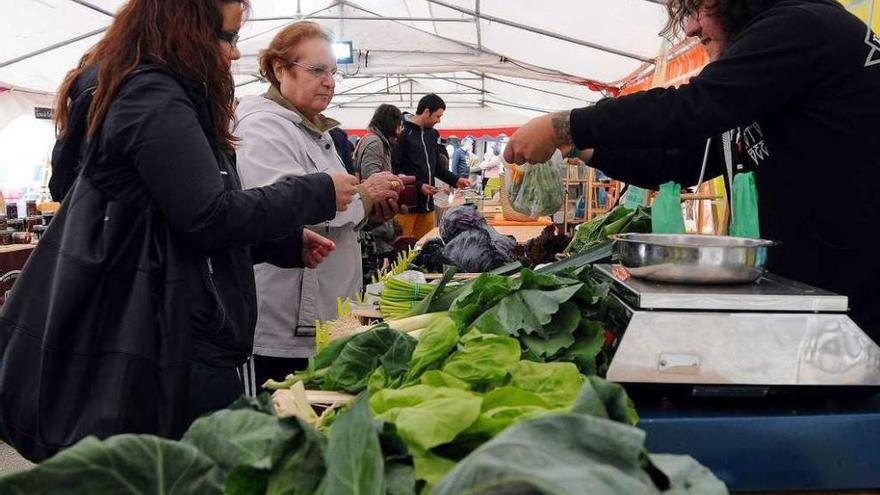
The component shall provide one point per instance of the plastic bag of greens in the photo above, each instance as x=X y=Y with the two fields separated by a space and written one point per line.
x=536 y=189
x=666 y=211
x=744 y=210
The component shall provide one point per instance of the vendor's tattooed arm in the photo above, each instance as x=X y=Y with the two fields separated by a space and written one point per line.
x=562 y=127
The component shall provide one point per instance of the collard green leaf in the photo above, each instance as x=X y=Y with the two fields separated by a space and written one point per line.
x=302 y=469
x=400 y=478
x=242 y=437
x=687 y=476
x=483 y=359
x=557 y=383
x=589 y=341
x=604 y=399
x=556 y=335
x=485 y=291
x=120 y=464
x=351 y=369
x=353 y=457
x=524 y=311
x=568 y=454
x=261 y=403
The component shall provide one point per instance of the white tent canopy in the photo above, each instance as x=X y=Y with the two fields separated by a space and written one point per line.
x=495 y=62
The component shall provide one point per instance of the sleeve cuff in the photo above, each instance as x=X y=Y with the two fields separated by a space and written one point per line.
x=366 y=200
x=582 y=121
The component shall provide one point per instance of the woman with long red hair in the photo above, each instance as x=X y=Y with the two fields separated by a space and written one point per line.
x=144 y=123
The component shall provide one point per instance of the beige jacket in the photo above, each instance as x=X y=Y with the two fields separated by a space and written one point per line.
x=276 y=142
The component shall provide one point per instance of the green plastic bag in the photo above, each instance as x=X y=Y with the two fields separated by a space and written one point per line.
x=634 y=197
x=744 y=207
x=666 y=211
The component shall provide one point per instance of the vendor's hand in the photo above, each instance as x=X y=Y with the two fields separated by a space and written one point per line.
x=383 y=186
x=429 y=190
x=536 y=141
x=462 y=183
x=344 y=186
x=385 y=210
x=315 y=248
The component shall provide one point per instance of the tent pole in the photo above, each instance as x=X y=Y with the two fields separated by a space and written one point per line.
x=522 y=107
x=52 y=47
x=543 y=32
x=94 y=7
x=477 y=22
x=526 y=86
x=359 y=18
x=871 y=15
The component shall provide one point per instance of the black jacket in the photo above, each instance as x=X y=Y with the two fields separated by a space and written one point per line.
x=416 y=154
x=804 y=77
x=157 y=145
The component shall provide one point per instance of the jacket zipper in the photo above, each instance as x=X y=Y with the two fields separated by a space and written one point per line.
x=216 y=295
x=428 y=166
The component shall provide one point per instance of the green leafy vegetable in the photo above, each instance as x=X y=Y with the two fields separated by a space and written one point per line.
x=424 y=416
x=557 y=383
x=121 y=464
x=525 y=310
x=435 y=343
x=483 y=359
x=437 y=378
x=604 y=399
x=353 y=456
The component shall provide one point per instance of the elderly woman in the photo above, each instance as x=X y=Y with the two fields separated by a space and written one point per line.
x=284 y=134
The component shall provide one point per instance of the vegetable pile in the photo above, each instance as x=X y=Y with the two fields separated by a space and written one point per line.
x=617 y=221
x=466 y=242
x=483 y=388
x=542 y=249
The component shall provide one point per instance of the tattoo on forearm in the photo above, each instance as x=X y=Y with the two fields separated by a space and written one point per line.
x=562 y=127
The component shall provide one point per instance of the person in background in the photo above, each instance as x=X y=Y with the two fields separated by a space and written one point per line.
x=417 y=154
x=441 y=199
x=283 y=134
x=344 y=148
x=491 y=165
x=458 y=162
x=791 y=87
x=373 y=155
x=154 y=95
x=472 y=160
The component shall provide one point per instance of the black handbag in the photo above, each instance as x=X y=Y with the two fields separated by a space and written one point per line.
x=93 y=338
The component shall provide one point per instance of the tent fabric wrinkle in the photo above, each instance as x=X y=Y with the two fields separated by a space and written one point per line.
x=496 y=62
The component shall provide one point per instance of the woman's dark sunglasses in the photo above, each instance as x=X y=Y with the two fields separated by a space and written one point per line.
x=229 y=37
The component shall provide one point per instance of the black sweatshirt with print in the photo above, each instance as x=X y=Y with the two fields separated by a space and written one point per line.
x=801 y=83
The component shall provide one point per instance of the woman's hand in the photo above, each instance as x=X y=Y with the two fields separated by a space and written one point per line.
x=383 y=186
x=315 y=248
x=385 y=210
x=345 y=186
x=536 y=141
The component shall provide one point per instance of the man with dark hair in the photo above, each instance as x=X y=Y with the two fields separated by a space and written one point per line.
x=417 y=154
x=792 y=91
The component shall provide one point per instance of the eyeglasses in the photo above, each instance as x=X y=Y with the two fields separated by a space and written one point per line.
x=229 y=37
x=319 y=71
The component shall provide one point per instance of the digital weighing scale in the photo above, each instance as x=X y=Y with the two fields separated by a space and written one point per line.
x=736 y=340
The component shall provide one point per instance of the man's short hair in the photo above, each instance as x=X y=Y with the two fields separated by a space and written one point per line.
x=430 y=102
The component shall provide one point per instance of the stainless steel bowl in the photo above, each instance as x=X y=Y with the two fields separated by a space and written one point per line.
x=692 y=259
